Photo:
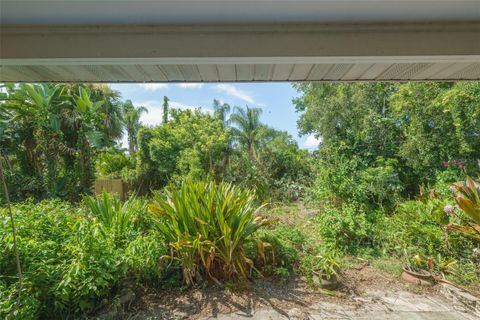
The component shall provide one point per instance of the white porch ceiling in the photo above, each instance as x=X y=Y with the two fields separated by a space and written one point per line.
x=243 y=72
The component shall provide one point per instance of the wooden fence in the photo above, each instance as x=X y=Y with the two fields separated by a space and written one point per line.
x=116 y=186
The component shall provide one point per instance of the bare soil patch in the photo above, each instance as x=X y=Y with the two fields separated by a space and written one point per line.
x=211 y=301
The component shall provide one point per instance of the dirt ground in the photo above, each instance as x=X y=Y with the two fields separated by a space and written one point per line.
x=281 y=298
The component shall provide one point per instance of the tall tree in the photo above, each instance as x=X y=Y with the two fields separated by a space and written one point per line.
x=89 y=136
x=165 y=109
x=412 y=127
x=247 y=128
x=110 y=113
x=191 y=145
x=221 y=110
x=40 y=106
x=131 y=120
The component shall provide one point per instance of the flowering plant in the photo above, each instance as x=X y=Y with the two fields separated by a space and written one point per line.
x=454 y=163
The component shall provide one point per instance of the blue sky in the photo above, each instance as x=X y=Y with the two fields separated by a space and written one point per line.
x=274 y=98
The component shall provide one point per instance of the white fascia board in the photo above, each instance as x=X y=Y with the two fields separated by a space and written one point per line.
x=311 y=43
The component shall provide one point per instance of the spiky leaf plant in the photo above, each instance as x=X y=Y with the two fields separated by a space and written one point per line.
x=467 y=196
x=207 y=225
x=115 y=217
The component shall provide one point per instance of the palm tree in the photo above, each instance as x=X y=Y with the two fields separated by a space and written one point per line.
x=221 y=110
x=131 y=120
x=247 y=128
x=110 y=112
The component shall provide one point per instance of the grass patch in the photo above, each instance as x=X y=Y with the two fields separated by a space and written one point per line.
x=389 y=265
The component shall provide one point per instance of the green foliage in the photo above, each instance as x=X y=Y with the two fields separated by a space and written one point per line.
x=347 y=228
x=416 y=226
x=74 y=259
x=142 y=256
x=416 y=234
x=116 y=219
x=21 y=186
x=279 y=249
x=55 y=133
x=325 y=263
x=247 y=129
x=9 y=309
x=131 y=120
x=343 y=179
x=418 y=125
x=446 y=177
x=381 y=180
x=382 y=143
x=467 y=196
x=112 y=163
x=280 y=170
x=190 y=145
x=206 y=226
x=439 y=122
x=59 y=138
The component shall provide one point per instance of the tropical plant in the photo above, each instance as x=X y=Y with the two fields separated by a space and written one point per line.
x=116 y=219
x=207 y=226
x=68 y=268
x=280 y=247
x=247 y=128
x=39 y=111
x=467 y=196
x=111 y=113
x=347 y=228
x=322 y=264
x=221 y=110
x=86 y=114
x=131 y=120
x=328 y=264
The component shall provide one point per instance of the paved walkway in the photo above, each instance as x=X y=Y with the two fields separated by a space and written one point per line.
x=372 y=305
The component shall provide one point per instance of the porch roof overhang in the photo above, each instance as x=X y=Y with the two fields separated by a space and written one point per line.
x=238 y=40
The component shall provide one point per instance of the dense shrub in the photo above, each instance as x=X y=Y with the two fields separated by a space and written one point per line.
x=416 y=232
x=280 y=170
x=348 y=228
x=191 y=145
x=280 y=249
x=415 y=226
x=112 y=163
x=73 y=259
x=22 y=186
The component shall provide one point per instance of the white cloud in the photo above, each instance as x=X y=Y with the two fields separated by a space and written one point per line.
x=153 y=86
x=155 y=112
x=311 y=142
x=235 y=92
x=190 y=85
